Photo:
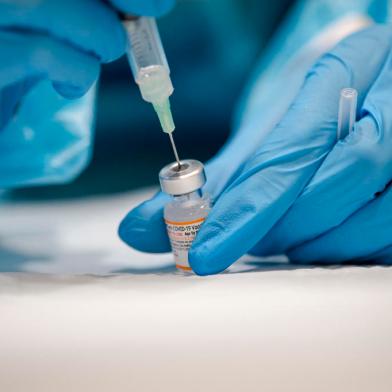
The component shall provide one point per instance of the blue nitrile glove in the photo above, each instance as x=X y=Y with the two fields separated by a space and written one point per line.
x=63 y=42
x=299 y=155
x=364 y=237
x=301 y=158
x=355 y=171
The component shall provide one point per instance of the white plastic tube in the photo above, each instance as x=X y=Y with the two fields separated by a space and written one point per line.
x=347 y=111
x=149 y=67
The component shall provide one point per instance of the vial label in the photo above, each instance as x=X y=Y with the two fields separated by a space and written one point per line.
x=181 y=235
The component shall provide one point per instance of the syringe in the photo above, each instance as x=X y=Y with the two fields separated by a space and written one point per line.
x=150 y=69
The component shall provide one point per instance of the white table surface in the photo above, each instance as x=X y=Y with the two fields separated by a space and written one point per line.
x=79 y=311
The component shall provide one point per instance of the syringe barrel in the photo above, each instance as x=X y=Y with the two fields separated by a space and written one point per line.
x=147 y=59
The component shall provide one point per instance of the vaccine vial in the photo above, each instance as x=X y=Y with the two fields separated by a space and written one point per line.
x=187 y=210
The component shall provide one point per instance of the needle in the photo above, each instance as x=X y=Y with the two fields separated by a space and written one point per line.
x=175 y=150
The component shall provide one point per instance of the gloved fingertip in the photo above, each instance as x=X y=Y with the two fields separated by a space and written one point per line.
x=68 y=90
x=144 y=228
x=153 y=8
x=202 y=263
x=125 y=228
x=162 y=7
x=140 y=235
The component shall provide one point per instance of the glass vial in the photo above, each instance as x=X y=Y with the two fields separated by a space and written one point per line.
x=187 y=210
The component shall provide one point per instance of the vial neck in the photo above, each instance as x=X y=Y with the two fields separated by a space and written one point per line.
x=188 y=196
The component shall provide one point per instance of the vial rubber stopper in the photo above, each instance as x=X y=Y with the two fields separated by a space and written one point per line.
x=187 y=178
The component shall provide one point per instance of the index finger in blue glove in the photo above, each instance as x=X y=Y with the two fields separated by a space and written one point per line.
x=144 y=7
x=281 y=168
x=144 y=228
x=89 y=25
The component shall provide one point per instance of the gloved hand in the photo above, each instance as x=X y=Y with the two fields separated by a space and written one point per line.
x=300 y=165
x=364 y=237
x=64 y=41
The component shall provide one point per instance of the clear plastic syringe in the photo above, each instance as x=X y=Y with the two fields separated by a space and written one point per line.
x=150 y=69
